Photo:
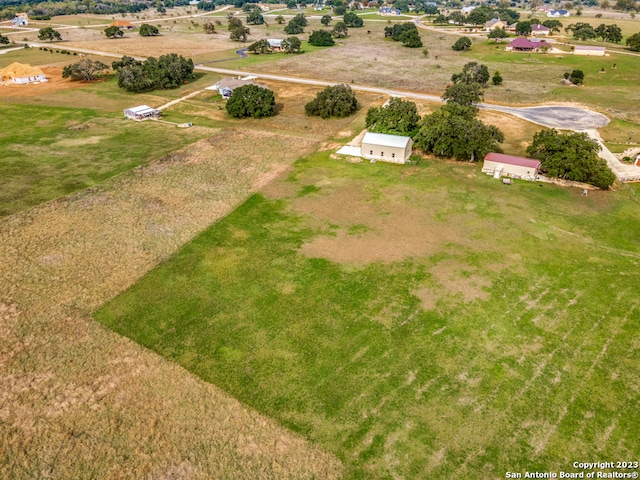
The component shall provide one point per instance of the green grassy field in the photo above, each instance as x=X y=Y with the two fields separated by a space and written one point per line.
x=55 y=151
x=419 y=322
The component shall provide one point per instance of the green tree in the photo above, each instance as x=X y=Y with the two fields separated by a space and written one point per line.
x=168 y=71
x=113 y=32
x=339 y=30
x=48 y=34
x=498 y=34
x=147 y=30
x=86 y=69
x=398 y=117
x=352 y=20
x=440 y=20
x=261 y=46
x=523 y=28
x=251 y=101
x=334 y=101
x=411 y=38
x=496 y=79
x=239 y=34
x=472 y=72
x=300 y=19
x=326 y=20
x=452 y=131
x=477 y=17
x=463 y=94
x=291 y=45
x=206 y=6
x=613 y=34
x=576 y=77
x=625 y=5
x=463 y=43
x=321 y=38
x=279 y=19
x=4 y=40
x=572 y=156
x=209 y=28
x=633 y=42
x=125 y=62
x=581 y=31
x=457 y=18
x=255 y=18
x=553 y=25
x=293 y=28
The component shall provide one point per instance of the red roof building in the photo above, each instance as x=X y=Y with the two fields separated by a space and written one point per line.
x=500 y=165
x=523 y=44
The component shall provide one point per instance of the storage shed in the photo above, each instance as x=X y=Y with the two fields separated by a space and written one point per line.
x=20 y=73
x=500 y=165
x=142 y=112
x=386 y=148
x=589 y=50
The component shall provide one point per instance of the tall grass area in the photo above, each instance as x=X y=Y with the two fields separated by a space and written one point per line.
x=499 y=336
x=48 y=152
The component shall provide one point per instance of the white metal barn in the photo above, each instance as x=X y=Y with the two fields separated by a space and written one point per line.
x=142 y=112
x=500 y=165
x=386 y=148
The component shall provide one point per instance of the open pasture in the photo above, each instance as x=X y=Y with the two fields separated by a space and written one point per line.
x=418 y=322
x=79 y=401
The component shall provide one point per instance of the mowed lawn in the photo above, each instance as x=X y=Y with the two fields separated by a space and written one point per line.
x=418 y=321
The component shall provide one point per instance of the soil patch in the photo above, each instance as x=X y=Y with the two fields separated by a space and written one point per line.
x=54 y=84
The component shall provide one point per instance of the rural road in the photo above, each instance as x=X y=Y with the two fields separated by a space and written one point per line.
x=552 y=116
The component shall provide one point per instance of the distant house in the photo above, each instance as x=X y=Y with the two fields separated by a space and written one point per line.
x=122 y=25
x=500 y=165
x=588 y=50
x=142 y=112
x=388 y=11
x=20 y=20
x=493 y=24
x=20 y=74
x=467 y=10
x=523 y=44
x=539 y=30
x=558 y=13
x=386 y=148
x=227 y=85
x=275 y=44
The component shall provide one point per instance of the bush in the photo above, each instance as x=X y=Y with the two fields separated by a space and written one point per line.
x=463 y=43
x=335 y=101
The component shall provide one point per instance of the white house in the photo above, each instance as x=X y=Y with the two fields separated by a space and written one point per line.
x=500 y=165
x=19 y=73
x=386 y=148
x=558 y=13
x=227 y=85
x=275 y=44
x=539 y=30
x=142 y=112
x=20 y=20
x=389 y=11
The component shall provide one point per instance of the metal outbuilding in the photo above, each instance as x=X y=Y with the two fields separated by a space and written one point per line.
x=500 y=165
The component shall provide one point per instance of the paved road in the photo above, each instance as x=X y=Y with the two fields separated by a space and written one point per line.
x=553 y=116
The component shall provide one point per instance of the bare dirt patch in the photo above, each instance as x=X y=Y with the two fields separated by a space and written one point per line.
x=370 y=230
x=54 y=84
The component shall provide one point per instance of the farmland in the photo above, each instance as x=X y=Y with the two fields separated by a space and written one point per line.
x=411 y=320
x=232 y=300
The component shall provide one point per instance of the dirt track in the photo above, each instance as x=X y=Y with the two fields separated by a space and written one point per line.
x=79 y=401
